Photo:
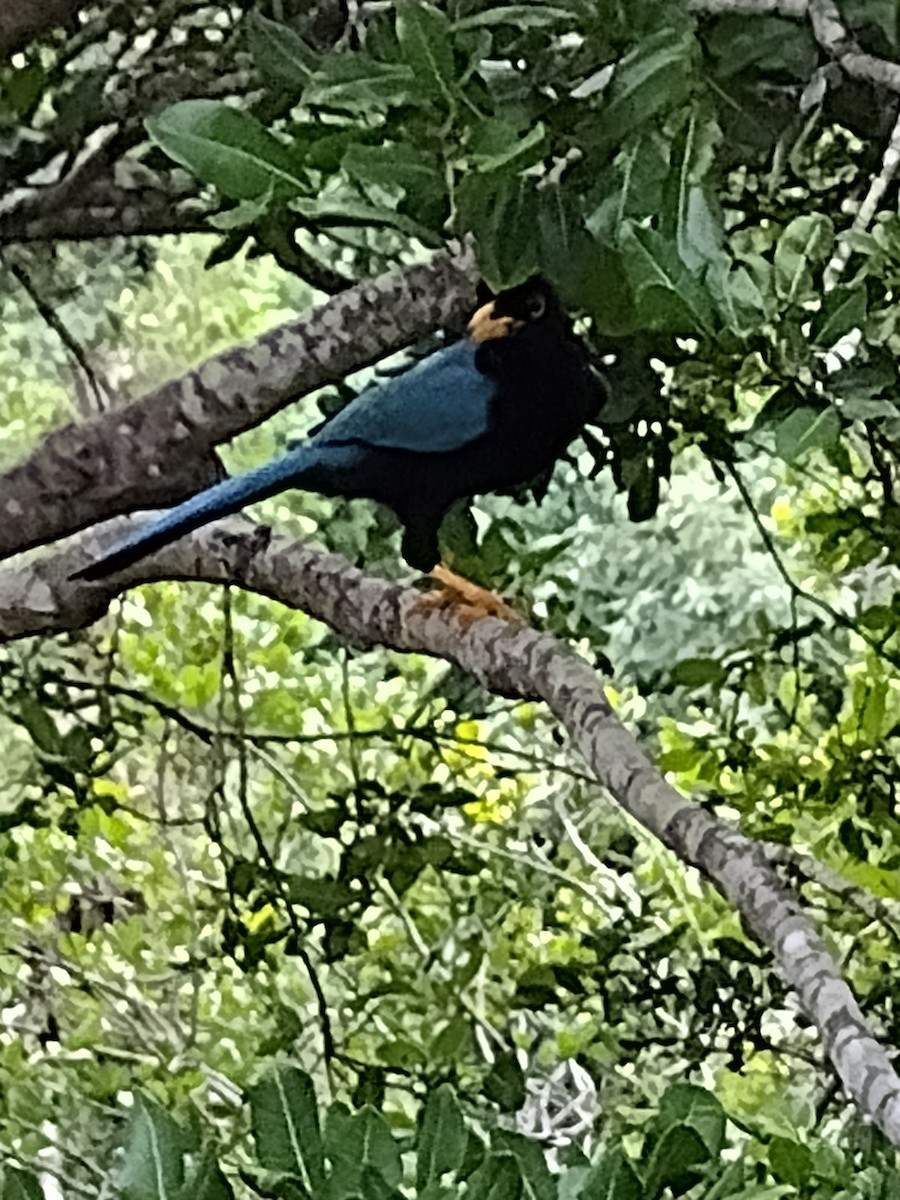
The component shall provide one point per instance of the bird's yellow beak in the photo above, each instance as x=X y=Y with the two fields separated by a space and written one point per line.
x=485 y=324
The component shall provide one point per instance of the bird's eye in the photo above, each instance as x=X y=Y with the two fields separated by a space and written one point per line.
x=536 y=306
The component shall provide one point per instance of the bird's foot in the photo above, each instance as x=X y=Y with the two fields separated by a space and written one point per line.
x=470 y=602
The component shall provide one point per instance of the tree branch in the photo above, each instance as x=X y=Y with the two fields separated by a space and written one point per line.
x=752 y=8
x=104 y=209
x=159 y=449
x=834 y=38
x=509 y=661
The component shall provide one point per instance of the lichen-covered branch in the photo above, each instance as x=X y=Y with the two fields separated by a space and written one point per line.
x=159 y=449
x=511 y=661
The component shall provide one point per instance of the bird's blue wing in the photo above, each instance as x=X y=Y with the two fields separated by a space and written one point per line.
x=436 y=407
x=439 y=405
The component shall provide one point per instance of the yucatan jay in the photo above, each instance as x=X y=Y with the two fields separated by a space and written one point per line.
x=491 y=412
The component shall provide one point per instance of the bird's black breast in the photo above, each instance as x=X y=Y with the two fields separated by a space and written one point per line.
x=544 y=396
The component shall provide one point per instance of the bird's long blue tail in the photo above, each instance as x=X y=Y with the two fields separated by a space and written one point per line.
x=302 y=467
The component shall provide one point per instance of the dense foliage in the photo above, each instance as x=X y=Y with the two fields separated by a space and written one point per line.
x=228 y=839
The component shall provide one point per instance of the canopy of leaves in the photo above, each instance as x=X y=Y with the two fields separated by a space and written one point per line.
x=228 y=839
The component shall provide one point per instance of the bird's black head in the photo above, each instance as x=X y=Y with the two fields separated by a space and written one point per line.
x=528 y=304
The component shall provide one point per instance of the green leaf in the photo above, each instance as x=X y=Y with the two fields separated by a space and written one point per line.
x=790 y=1161
x=573 y=1180
x=424 y=36
x=505 y=1083
x=442 y=1137
x=584 y=272
x=328 y=211
x=373 y=1187
x=877 y=616
x=393 y=164
x=773 y=44
x=611 y=306
x=677 y=1154
x=401 y=166
x=437 y=1191
x=284 y=1118
x=806 y=240
x=633 y=186
x=374 y=1145
x=153 y=1155
x=697 y=1108
x=613 y=1178
x=21 y=1185
x=40 y=725
x=697 y=672
x=689 y=1131
x=666 y=295
x=523 y=16
x=871 y=719
x=78 y=102
x=807 y=429
x=365 y=1159
x=683 y=759
x=654 y=78
x=360 y=85
x=737 y=295
x=537 y=1182
x=323 y=897
x=225 y=147
x=281 y=54
x=244 y=214
x=503 y=146
x=537 y=986
x=502 y=214
x=21 y=89
x=690 y=213
x=842 y=309
x=498 y=1178
x=344 y=1176
x=865 y=382
x=452 y=1040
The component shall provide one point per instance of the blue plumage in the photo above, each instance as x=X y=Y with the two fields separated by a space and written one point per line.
x=435 y=407
x=491 y=412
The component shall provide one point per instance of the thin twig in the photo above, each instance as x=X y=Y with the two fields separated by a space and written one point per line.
x=52 y=319
x=836 y=615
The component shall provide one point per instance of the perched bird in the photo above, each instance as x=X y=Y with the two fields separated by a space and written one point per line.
x=489 y=413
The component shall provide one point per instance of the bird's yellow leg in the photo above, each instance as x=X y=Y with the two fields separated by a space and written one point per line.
x=470 y=601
